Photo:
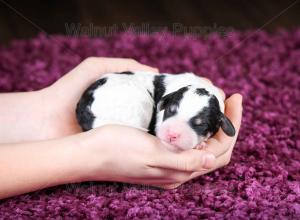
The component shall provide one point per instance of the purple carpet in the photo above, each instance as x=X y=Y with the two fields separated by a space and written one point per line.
x=263 y=179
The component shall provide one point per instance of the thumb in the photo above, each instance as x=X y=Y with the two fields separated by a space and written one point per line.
x=189 y=160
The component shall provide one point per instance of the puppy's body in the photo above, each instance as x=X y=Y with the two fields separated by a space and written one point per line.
x=117 y=98
x=183 y=109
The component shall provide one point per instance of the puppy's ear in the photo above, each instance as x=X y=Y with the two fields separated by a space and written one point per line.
x=227 y=126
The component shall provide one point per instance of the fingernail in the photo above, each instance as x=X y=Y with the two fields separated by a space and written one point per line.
x=209 y=161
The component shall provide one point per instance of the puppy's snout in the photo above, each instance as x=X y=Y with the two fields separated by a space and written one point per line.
x=173 y=136
x=177 y=133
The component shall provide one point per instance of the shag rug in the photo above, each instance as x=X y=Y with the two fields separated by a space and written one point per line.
x=262 y=180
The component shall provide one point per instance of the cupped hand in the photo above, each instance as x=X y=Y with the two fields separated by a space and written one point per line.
x=124 y=154
x=60 y=99
x=221 y=145
x=130 y=155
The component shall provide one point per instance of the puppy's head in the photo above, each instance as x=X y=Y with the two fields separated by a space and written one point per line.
x=190 y=116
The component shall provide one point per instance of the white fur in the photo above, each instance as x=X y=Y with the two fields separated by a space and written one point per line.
x=124 y=100
x=190 y=105
x=187 y=138
x=174 y=82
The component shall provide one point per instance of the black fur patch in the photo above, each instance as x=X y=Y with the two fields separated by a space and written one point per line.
x=210 y=118
x=126 y=73
x=172 y=99
x=159 y=87
x=201 y=91
x=84 y=115
x=150 y=93
x=159 y=90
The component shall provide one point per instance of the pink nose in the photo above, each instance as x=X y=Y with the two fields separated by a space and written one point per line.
x=173 y=136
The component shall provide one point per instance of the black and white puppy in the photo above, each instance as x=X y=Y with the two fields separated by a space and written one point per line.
x=189 y=110
x=183 y=109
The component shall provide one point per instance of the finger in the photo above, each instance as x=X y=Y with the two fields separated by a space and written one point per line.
x=163 y=174
x=221 y=143
x=124 y=64
x=148 y=182
x=220 y=162
x=188 y=161
x=161 y=177
x=96 y=66
x=160 y=181
x=92 y=68
x=206 y=79
x=173 y=176
x=233 y=110
x=169 y=186
x=215 y=147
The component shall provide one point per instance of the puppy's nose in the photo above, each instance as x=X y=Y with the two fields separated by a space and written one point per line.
x=173 y=136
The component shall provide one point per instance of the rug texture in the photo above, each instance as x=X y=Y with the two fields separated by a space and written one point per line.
x=262 y=180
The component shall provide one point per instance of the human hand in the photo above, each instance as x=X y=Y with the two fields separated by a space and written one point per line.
x=60 y=99
x=125 y=154
x=130 y=155
x=221 y=145
x=63 y=122
x=107 y=153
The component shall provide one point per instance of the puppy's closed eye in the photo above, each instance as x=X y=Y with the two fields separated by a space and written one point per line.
x=197 y=121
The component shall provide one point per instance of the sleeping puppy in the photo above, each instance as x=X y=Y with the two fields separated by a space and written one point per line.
x=189 y=110
x=183 y=110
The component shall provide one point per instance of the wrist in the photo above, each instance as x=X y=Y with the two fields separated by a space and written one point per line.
x=74 y=159
x=37 y=165
x=92 y=156
x=21 y=116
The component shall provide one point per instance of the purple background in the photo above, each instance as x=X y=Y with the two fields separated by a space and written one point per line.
x=262 y=180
